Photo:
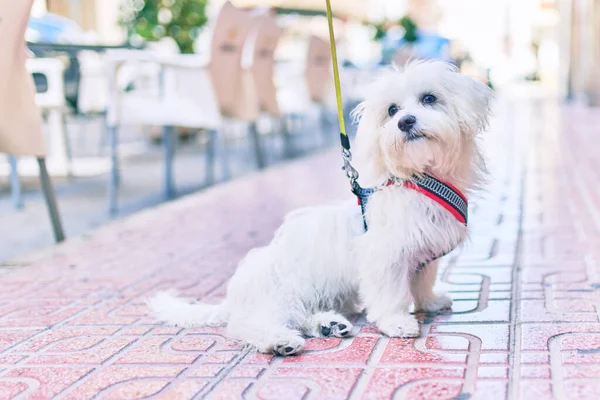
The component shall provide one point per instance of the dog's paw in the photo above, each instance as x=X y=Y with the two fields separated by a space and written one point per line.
x=289 y=347
x=336 y=328
x=402 y=326
x=434 y=304
x=327 y=324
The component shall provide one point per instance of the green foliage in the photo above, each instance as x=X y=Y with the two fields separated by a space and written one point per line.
x=155 y=19
x=410 y=29
x=380 y=31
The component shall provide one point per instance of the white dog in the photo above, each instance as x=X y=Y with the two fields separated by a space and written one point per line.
x=423 y=119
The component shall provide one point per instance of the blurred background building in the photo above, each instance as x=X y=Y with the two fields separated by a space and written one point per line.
x=555 y=42
x=108 y=66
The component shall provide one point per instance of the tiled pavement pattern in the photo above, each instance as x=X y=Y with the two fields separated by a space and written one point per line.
x=524 y=324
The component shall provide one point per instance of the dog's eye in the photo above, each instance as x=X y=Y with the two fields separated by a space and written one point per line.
x=392 y=110
x=429 y=99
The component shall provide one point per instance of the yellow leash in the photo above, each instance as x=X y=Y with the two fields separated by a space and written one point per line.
x=350 y=172
x=336 y=72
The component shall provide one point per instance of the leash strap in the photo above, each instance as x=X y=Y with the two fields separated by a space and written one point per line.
x=336 y=79
x=351 y=173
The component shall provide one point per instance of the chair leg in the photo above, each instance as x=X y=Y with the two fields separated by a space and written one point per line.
x=15 y=183
x=113 y=180
x=169 y=150
x=324 y=128
x=287 y=137
x=255 y=138
x=223 y=149
x=50 y=197
x=210 y=157
x=68 y=147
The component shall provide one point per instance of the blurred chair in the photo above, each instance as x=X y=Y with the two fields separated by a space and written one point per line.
x=20 y=122
x=92 y=95
x=319 y=80
x=264 y=39
x=190 y=91
x=52 y=103
x=318 y=69
x=234 y=83
x=182 y=96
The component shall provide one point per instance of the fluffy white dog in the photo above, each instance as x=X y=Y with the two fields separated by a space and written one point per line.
x=425 y=118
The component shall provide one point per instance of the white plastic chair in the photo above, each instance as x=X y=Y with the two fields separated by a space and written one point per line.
x=181 y=95
x=92 y=96
x=20 y=120
x=53 y=104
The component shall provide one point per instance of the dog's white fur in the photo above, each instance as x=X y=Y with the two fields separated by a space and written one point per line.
x=321 y=264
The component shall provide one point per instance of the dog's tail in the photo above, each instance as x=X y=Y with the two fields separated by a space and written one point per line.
x=169 y=308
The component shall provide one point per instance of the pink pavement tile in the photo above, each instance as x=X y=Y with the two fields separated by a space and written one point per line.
x=137 y=330
x=490 y=390
x=535 y=371
x=274 y=390
x=154 y=350
x=538 y=357
x=105 y=314
x=145 y=379
x=322 y=344
x=325 y=383
x=581 y=357
x=578 y=371
x=492 y=336
x=465 y=311
x=355 y=350
x=581 y=341
x=204 y=371
x=536 y=336
x=11 y=359
x=493 y=358
x=12 y=337
x=447 y=342
x=587 y=389
x=74 y=345
x=242 y=371
x=535 y=389
x=186 y=389
x=58 y=334
x=492 y=372
x=258 y=359
x=230 y=389
x=44 y=383
x=192 y=343
x=222 y=357
x=96 y=352
x=399 y=351
x=136 y=389
x=164 y=330
x=562 y=310
x=431 y=390
x=9 y=389
x=417 y=383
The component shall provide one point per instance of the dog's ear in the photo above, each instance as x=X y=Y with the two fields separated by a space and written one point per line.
x=365 y=141
x=367 y=157
x=479 y=98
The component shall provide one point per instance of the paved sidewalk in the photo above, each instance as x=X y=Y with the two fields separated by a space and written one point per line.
x=524 y=324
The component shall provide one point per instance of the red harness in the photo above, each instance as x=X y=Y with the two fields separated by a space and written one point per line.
x=443 y=193
x=455 y=208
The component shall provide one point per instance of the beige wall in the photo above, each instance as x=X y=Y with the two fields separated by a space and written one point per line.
x=100 y=16
x=584 y=51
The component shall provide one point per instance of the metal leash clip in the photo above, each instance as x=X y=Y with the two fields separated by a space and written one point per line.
x=351 y=173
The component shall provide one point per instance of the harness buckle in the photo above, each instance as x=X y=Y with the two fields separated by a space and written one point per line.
x=351 y=173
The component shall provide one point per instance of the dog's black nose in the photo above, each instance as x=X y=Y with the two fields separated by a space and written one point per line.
x=407 y=122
